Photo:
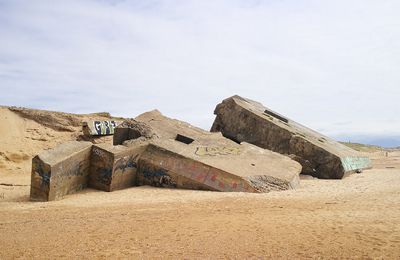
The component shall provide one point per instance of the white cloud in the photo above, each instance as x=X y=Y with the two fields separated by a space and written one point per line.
x=321 y=63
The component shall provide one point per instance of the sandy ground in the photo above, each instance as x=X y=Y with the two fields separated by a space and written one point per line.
x=357 y=217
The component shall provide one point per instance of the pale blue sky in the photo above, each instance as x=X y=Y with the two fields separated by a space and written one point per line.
x=331 y=65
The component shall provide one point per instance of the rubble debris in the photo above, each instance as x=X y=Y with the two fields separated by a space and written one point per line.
x=245 y=120
x=164 y=153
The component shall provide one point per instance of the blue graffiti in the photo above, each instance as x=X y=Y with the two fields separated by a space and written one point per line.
x=45 y=180
x=157 y=178
x=123 y=164
x=105 y=175
x=45 y=177
x=153 y=174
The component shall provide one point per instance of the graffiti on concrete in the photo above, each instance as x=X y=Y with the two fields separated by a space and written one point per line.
x=125 y=163
x=104 y=127
x=44 y=176
x=45 y=180
x=104 y=175
x=351 y=163
x=217 y=150
x=198 y=172
x=157 y=177
x=99 y=152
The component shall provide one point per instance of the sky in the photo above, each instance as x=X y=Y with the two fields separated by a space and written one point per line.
x=330 y=65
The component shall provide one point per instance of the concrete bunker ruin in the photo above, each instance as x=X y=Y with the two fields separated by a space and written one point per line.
x=158 y=151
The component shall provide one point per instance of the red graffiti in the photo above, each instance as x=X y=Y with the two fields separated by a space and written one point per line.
x=201 y=177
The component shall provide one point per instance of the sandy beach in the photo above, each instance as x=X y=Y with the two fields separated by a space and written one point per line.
x=357 y=217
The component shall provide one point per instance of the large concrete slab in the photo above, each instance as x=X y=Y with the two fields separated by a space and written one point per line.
x=245 y=120
x=60 y=171
x=114 y=167
x=184 y=156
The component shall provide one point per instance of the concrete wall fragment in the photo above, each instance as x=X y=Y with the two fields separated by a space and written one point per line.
x=132 y=129
x=225 y=166
x=60 y=171
x=113 y=167
x=162 y=168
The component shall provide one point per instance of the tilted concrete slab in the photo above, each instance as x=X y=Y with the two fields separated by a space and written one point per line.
x=114 y=167
x=245 y=120
x=184 y=156
x=60 y=171
x=98 y=128
x=240 y=168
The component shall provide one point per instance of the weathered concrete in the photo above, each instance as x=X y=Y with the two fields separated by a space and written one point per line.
x=188 y=157
x=114 y=167
x=95 y=128
x=161 y=152
x=60 y=171
x=244 y=120
x=132 y=129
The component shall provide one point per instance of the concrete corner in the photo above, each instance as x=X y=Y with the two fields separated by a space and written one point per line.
x=60 y=171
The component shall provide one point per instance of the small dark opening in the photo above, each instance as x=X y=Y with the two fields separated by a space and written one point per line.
x=276 y=115
x=184 y=139
x=134 y=134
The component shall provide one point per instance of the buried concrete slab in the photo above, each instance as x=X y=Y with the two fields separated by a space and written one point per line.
x=245 y=120
x=184 y=156
x=240 y=168
x=60 y=171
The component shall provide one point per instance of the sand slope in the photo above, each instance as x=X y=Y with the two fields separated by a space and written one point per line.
x=26 y=132
x=357 y=217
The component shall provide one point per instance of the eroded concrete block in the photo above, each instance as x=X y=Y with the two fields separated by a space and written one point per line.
x=60 y=171
x=132 y=129
x=114 y=167
x=236 y=168
x=188 y=157
x=244 y=120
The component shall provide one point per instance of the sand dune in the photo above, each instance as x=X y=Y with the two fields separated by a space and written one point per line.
x=26 y=132
x=357 y=217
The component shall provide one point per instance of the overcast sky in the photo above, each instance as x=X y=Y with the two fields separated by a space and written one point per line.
x=330 y=65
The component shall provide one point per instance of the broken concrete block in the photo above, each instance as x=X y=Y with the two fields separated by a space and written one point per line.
x=244 y=120
x=113 y=167
x=132 y=129
x=188 y=157
x=60 y=171
x=239 y=168
x=95 y=128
